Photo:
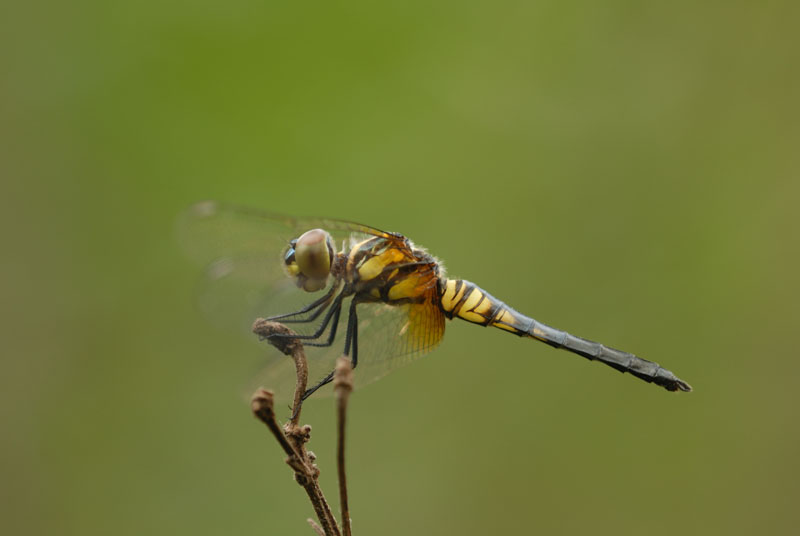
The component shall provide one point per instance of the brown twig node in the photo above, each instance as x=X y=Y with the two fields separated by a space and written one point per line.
x=293 y=437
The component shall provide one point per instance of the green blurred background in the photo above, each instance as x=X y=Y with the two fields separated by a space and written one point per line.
x=624 y=170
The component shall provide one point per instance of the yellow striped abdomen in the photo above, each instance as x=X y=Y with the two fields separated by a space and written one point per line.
x=466 y=300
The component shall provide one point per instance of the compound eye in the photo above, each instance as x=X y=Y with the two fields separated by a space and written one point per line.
x=290 y=262
x=313 y=254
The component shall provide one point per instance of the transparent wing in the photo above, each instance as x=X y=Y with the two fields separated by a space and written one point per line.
x=241 y=250
x=389 y=336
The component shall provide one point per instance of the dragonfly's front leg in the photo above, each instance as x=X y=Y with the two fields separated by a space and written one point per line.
x=317 y=306
x=332 y=313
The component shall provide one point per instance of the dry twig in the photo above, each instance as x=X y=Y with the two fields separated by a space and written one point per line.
x=293 y=437
x=343 y=385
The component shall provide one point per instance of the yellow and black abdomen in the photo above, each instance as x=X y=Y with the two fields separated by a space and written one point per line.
x=469 y=302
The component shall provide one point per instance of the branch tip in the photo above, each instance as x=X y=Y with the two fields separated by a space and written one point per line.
x=343 y=376
x=263 y=405
x=285 y=341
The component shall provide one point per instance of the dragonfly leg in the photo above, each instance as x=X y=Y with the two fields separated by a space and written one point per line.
x=334 y=310
x=351 y=342
x=350 y=347
x=326 y=380
x=317 y=306
x=332 y=334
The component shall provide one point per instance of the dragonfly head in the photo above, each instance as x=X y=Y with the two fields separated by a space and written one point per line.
x=308 y=259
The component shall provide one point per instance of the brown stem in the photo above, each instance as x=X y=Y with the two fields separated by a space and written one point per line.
x=299 y=459
x=292 y=438
x=342 y=385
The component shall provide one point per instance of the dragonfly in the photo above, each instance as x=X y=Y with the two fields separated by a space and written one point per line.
x=354 y=290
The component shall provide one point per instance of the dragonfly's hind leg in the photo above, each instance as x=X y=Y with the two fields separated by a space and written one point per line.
x=350 y=348
x=351 y=341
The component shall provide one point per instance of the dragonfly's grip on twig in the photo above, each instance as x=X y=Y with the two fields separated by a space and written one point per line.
x=290 y=346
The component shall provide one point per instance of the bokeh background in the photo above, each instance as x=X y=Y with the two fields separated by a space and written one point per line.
x=624 y=170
